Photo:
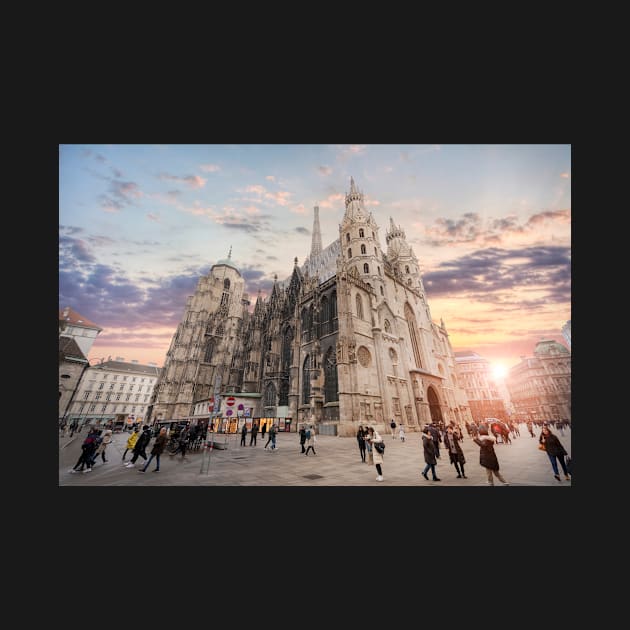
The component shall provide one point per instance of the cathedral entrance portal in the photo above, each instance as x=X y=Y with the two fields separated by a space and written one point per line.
x=434 y=406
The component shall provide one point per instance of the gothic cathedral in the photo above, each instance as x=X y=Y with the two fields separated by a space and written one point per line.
x=347 y=339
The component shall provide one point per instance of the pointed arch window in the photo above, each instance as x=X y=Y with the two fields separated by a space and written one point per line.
x=361 y=233
x=363 y=250
x=366 y=268
x=325 y=315
x=333 y=311
x=270 y=395
x=413 y=334
x=388 y=327
x=347 y=237
x=359 y=303
x=304 y=324
x=349 y=253
x=330 y=376
x=306 y=381
x=209 y=349
x=219 y=332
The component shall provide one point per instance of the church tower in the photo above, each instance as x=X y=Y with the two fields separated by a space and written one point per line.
x=402 y=258
x=360 y=245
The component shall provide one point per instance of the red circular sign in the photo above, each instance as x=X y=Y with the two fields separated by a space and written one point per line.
x=230 y=401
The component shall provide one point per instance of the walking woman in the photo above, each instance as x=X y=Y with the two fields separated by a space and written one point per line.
x=102 y=447
x=131 y=442
x=451 y=440
x=156 y=451
x=428 y=446
x=361 y=441
x=555 y=451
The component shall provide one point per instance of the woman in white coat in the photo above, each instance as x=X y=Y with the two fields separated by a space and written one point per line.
x=375 y=438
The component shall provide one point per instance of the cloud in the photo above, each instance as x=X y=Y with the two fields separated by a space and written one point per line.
x=565 y=175
x=303 y=230
x=270 y=178
x=530 y=277
x=334 y=200
x=194 y=181
x=119 y=195
x=324 y=170
x=210 y=168
x=280 y=197
x=153 y=217
x=75 y=250
x=351 y=150
x=471 y=228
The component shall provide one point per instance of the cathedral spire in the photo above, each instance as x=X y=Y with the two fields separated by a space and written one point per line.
x=353 y=188
x=316 y=245
x=230 y=253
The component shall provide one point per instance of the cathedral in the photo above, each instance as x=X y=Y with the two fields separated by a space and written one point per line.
x=346 y=339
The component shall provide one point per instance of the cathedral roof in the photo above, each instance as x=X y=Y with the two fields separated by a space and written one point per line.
x=228 y=262
x=549 y=347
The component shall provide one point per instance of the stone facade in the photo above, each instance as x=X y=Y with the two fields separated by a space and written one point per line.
x=346 y=339
x=482 y=391
x=540 y=386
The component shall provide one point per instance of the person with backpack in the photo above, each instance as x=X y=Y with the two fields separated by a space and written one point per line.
x=392 y=426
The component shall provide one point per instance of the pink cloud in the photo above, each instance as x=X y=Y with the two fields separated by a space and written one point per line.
x=565 y=175
x=325 y=170
x=270 y=178
x=332 y=201
x=210 y=168
x=194 y=181
x=153 y=217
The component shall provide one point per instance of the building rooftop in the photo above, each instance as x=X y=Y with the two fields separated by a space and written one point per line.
x=123 y=366
x=69 y=350
x=72 y=317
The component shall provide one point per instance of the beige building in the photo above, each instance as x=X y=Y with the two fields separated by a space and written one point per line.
x=72 y=364
x=79 y=328
x=346 y=339
x=114 y=392
x=482 y=390
x=540 y=386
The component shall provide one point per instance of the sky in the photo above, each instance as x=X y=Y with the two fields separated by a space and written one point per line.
x=490 y=225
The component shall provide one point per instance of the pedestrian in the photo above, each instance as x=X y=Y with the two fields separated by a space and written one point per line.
x=361 y=441
x=253 y=434
x=401 y=433
x=437 y=438
x=131 y=441
x=392 y=426
x=244 y=434
x=102 y=447
x=376 y=442
x=428 y=446
x=263 y=430
x=73 y=427
x=271 y=434
x=141 y=444
x=87 y=452
x=487 y=456
x=182 y=443
x=530 y=428
x=156 y=451
x=555 y=451
x=451 y=441
x=302 y=438
x=310 y=440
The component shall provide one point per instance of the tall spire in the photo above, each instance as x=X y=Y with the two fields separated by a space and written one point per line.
x=353 y=188
x=316 y=245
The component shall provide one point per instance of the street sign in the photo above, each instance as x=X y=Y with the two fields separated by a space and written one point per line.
x=247 y=412
x=241 y=407
x=230 y=400
x=229 y=412
x=211 y=404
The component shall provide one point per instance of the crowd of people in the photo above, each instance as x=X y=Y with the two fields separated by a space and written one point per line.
x=436 y=439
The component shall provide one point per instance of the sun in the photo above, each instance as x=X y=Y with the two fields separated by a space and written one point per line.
x=499 y=370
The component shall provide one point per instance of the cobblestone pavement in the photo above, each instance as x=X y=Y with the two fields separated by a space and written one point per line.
x=337 y=463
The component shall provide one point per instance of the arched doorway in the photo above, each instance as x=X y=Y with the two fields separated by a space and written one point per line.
x=434 y=406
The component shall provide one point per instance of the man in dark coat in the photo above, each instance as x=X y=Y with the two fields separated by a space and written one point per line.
x=437 y=438
x=451 y=441
x=428 y=445
x=141 y=445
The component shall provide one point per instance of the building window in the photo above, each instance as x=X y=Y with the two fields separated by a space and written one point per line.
x=366 y=268
x=333 y=310
x=349 y=253
x=98 y=396
x=108 y=397
x=406 y=268
x=361 y=233
x=374 y=237
x=122 y=386
x=270 y=395
x=86 y=395
x=363 y=250
x=131 y=388
x=347 y=237
x=226 y=284
x=330 y=376
x=382 y=292
x=137 y=397
x=101 y=385
x=111 y=386
x=103 y=408
x=118 y=396
x=207 y=357
x=325 y=316
x=128 y=397
x=92 y=407
x=413 y=334
x=224 y=299
x=359 y=303
x=146 y=397
x=115 y=377
x=388 y=327
x=306 y=381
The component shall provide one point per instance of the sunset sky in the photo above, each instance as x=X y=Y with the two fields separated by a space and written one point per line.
x=490 y=225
